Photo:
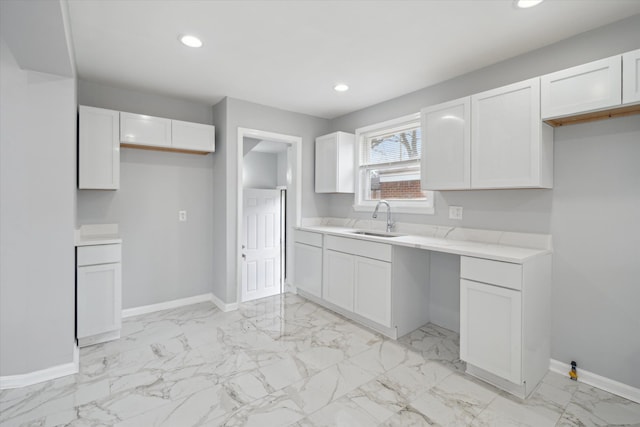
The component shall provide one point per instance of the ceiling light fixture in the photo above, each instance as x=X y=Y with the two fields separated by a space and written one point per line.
x=191 y=41
x=341 y=87
x=526 y=4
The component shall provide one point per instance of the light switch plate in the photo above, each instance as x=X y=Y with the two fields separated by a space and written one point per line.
x=455 y=212
x=182 y=216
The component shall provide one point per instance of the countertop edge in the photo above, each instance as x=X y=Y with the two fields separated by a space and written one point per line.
x=449 y=247
x=98 y=241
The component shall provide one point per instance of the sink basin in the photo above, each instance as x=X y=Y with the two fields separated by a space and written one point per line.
x=376 y=233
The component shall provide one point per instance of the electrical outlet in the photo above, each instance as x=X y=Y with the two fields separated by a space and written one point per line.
x=455 y=212
x=182 y=216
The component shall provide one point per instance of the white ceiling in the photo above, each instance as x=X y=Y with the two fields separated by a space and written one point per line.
x=290 y=54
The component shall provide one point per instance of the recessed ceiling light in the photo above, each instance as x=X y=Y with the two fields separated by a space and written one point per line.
x=341 y=87
x=525 y=4
x=191 y=41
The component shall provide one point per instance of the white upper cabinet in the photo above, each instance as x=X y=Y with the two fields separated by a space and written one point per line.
x=510 y=146
x=335 y=163
x=192 y=136
x=140 y=129
x=165 y=134
x=582 y=89
x=446 y=146
x=631 y=77
x=98 y=149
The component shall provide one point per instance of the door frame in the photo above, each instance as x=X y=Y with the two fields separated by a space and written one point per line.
x=294 y=209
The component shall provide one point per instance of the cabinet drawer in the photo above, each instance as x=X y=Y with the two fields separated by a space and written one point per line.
x=99 y=254
x=374 y=250
x=488 y=271
x=309 y=238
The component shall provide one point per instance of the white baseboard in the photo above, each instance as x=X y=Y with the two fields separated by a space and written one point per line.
x=135 y=311
x=23 y=380
x=595 y=380
x=223 y=305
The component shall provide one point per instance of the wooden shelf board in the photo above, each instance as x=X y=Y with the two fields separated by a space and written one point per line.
x=169 y=149
x=597 y=115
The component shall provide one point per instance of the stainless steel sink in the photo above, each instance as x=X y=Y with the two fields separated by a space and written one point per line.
x=376 y=233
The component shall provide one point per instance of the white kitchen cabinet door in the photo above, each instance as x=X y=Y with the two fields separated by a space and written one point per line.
x=491 y=329
x=140 y=129
x=372 y=298
x=582 y=89
x=99 y=296
x=192 y=136
x=308 y=268
x=338 y=279
x=510 y=146
x=631 y=77
x=98 y=149
x=335 y=163
x=446 y=146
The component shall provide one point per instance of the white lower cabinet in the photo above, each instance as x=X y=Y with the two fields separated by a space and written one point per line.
x=308 y=268
x=505 y=321
x=357 y=278
x=490 y=328
x=99 y=293
x=372 y=290
x=308 y=262
x=98 y=299
x=339 y=278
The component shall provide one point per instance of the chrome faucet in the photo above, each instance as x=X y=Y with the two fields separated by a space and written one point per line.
x=375 y=214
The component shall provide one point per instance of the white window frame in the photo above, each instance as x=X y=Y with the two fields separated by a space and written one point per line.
x=400 y=206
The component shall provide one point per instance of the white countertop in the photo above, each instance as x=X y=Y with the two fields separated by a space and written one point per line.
x=495 y=251
x=97 y=234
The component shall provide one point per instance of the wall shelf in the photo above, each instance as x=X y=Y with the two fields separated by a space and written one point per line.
x=628 y=110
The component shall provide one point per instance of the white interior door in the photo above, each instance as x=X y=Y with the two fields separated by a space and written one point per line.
x=261 y=274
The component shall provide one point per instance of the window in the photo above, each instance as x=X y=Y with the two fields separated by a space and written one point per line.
x=388 y=156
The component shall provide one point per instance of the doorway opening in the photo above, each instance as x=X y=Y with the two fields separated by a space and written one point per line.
x=268 y=209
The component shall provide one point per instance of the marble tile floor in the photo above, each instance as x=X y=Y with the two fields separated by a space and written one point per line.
x=285 y=361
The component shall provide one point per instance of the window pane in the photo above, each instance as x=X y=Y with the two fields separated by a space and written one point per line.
x=392 y=184
x=393 y=147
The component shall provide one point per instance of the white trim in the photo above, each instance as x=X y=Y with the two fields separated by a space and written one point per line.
x=223 y=305
x=23 y=380
x=296 y=160
x=595 y=380
x=135 y=311
x=100 y=338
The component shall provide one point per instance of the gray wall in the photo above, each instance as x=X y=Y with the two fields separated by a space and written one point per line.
x=230 y=114
x=37 y=214
x=163 y=259
x=260 y=170
x=592 y=211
